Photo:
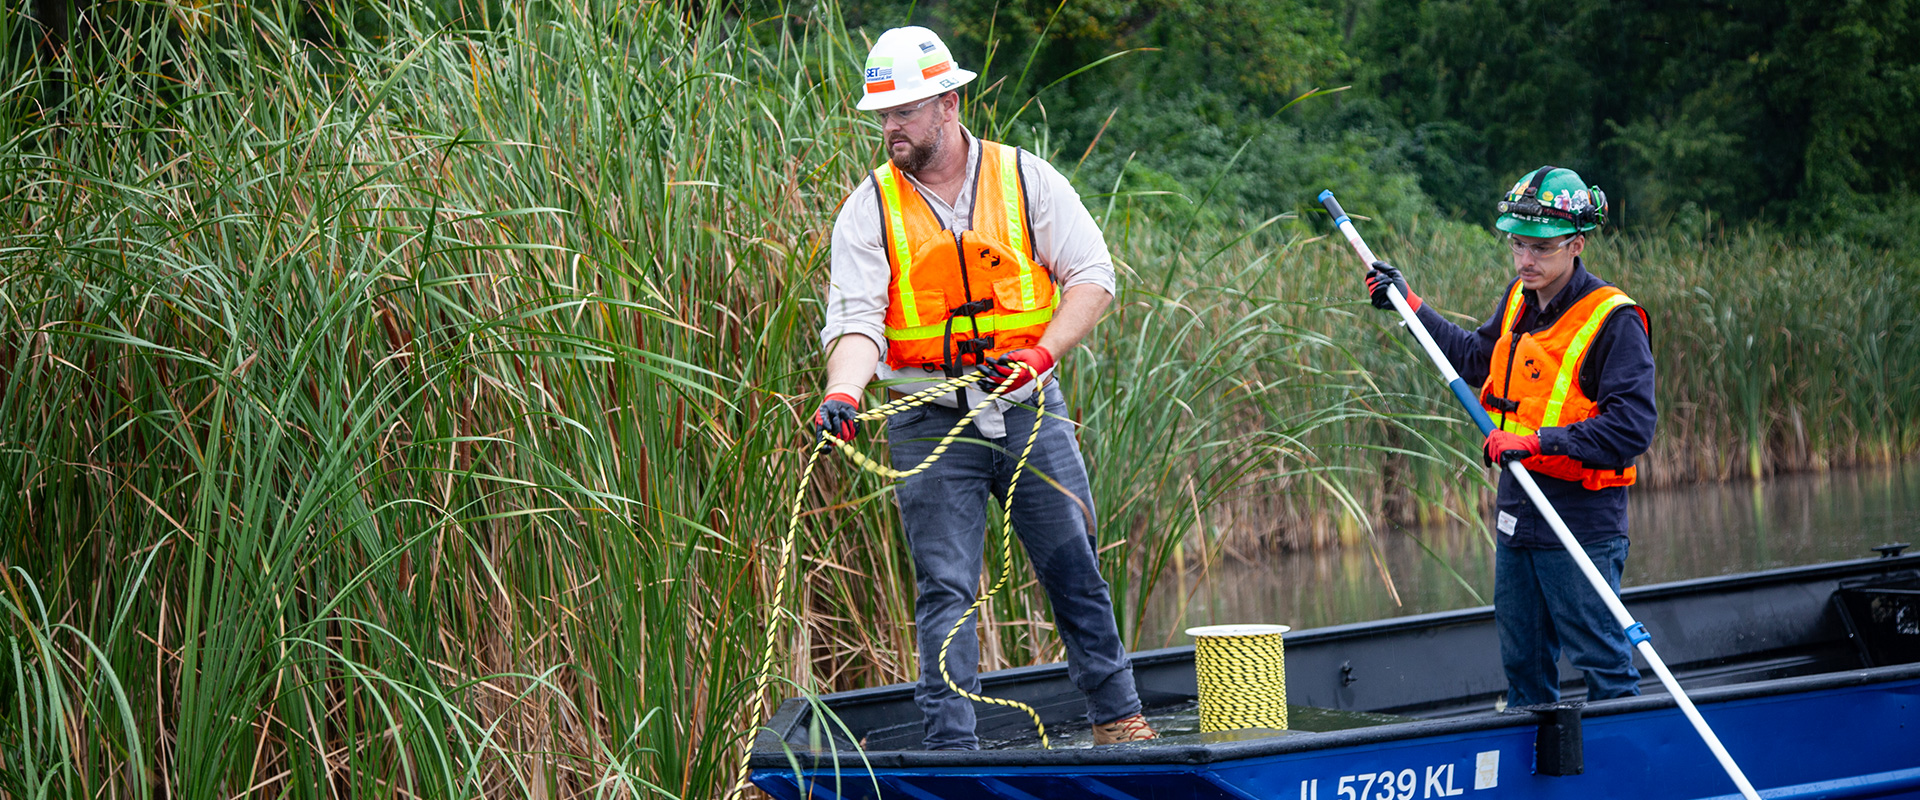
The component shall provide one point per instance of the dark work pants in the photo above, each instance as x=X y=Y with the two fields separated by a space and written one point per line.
x=944 y=511
x=1543 y=605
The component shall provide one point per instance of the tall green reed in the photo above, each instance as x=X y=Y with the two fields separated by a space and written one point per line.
x=416 y=412
x=441 y=377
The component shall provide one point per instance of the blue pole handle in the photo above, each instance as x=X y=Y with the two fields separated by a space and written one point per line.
x=1464 y=394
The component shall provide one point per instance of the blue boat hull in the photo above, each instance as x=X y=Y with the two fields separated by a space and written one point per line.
x=1778 y=666
x=1856 y=741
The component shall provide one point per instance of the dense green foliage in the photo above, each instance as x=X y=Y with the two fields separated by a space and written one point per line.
x=1782 y=109
x=405 y=398
x=1793 y=111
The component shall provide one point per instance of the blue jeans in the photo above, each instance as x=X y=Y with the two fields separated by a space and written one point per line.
x=1542 y=604
x=944 y=511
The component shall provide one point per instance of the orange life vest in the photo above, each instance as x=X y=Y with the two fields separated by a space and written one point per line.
x=1534 y=381
x=974 y=293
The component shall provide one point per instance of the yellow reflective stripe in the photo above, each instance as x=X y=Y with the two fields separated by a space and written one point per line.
x=883 y=180
x=1576 y=349
x=1011 y=200
x=1513 y=308
x=988 y=324
x=1507 y=422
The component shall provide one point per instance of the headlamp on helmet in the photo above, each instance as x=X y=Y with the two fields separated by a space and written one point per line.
x=1542 y=207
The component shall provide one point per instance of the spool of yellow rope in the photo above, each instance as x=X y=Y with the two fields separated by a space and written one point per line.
x=1242 y=671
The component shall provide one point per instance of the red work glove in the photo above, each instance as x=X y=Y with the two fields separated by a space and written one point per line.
x=839 y=415
x=1001 y=372
x=1502 y=447
x=1379 y=278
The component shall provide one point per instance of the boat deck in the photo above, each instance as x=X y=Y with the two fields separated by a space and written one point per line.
x=1810 y=675
x=1179 y=725
x=1713 y=632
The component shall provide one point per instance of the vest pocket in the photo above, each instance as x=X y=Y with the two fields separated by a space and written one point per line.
x=1007 y=294
x=931 y=306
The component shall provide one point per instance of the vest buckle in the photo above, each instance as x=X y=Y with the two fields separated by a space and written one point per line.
x=980 y=306
x=953 y=364
x=1502 y=404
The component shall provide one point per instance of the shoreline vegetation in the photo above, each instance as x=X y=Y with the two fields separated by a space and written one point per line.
x=408 y=404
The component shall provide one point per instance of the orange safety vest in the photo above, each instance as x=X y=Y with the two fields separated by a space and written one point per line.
x=975 y=293
x=1534 y=381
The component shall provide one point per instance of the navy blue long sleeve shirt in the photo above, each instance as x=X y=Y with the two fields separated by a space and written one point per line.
x=1617 y=373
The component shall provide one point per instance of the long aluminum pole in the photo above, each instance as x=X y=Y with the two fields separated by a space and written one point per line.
x=1636 y=632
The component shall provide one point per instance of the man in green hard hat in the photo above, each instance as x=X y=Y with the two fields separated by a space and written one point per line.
x=1565 y=370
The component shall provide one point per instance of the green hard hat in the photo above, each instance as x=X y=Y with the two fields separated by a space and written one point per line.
x=1551 y=201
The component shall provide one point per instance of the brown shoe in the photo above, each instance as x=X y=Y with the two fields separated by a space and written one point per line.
x=1125 y=729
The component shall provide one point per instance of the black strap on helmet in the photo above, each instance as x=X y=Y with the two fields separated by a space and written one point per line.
x=1533 y=186
x=1528 y=206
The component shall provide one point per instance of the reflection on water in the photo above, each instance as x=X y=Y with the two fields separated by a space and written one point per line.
x=1678 y=533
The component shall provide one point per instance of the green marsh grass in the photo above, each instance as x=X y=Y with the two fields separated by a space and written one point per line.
x=416 y=414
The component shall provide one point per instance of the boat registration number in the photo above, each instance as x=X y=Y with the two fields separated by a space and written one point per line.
x=1423 y=782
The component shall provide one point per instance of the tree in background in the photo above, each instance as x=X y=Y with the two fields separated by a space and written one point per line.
x=1187 y=120
x=1788 y=110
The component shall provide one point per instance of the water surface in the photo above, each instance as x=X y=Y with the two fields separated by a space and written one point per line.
x=1678 y=533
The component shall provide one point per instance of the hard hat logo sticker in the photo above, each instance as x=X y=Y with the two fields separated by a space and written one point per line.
x=908 y=64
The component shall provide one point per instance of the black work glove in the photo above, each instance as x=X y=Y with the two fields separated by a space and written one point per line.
x=1379 y=278
x=839 y=415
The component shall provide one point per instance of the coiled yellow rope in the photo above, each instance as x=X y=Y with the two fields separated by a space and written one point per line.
x=877 y=413
x=1242 y=671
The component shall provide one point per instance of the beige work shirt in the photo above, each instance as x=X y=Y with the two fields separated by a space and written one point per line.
x=1065 y=239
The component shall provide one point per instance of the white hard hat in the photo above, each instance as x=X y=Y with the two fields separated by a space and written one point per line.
x=909 y=64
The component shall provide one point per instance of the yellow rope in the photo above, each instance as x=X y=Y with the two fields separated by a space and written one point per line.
x=1006 y=569
x=765 y=673
x=1242 y=672
x=921 y=398
x=877 y=413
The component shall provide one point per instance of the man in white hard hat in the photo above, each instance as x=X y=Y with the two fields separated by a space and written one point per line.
x=961 y=256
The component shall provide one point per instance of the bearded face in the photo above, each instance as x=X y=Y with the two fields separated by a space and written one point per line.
x=912 y=154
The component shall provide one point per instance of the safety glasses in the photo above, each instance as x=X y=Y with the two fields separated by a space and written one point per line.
x=903 y=114
x=1540 y=250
